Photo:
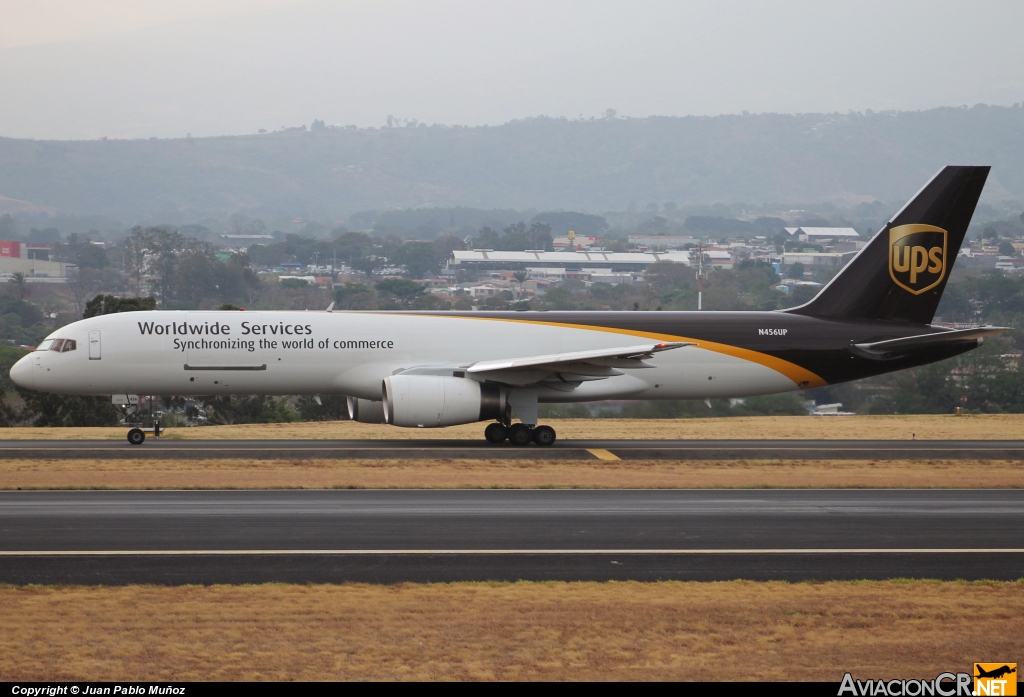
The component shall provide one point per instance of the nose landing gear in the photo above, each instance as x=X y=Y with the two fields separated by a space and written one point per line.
x=130 y=409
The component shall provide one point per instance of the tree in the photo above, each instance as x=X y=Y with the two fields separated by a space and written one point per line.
x=350 y=246
x=136 y=246
x=518 y=237
x=194 y=275
x=109 y=304
x=655 y=226
x=50 y=234
x=330 y=408
x=355 y=296
x=582 y=223
x=43 y=409
x=8 y=414
x=255 y=409
x=1006 y=249
x=91 y=256
x=520 y=278
x=430 y=301
x=241 y=224
x=795 y=270
x=446 y=244
x=295 y=283
x=82 y=283
x=406 y=291
x=367 y=264
x=9 y=230
x=20 y=285
x=419 y=258
x=801 y=295
x=165 y=247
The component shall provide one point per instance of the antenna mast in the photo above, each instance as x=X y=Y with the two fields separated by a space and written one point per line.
x=700 y=276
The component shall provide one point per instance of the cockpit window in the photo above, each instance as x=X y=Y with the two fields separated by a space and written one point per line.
x=59 y=345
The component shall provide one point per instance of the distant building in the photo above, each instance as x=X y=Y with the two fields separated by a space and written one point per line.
x=831 y=410
x=718 y=258
x=248 y=238
x=828 y=260
x=14 y=249
x=810 y=234
x=579 y=242
x=486 y=290
x=30 y=259
x=481 y=260
x=662 y=241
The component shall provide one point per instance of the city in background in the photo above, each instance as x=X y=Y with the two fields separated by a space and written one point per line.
x=112 y=235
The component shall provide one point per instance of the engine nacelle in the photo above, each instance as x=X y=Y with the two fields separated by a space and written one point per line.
x=366 y=411
x=431 y=401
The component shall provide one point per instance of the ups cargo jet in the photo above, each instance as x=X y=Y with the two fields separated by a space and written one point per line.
x=434 y=369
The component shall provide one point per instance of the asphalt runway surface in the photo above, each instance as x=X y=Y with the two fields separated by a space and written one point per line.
x=382 y=536
x=155 y=448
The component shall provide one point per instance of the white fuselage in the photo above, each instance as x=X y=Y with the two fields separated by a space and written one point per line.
x=350 y=353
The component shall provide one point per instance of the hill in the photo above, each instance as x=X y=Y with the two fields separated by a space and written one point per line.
x=540 y=163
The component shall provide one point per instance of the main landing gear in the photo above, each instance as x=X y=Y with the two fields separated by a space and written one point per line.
x=520 y=434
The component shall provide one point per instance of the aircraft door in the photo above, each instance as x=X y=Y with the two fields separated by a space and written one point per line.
x=215 y=340
x=94 y=345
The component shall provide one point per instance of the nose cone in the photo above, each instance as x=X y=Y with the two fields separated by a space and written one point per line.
x=21 y=372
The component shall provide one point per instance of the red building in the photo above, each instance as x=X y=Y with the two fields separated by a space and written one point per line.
x=25 y=250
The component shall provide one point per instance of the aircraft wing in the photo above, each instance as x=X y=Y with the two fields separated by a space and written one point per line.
x=569 y=369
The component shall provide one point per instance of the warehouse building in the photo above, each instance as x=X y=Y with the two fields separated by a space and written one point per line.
x=610 y=262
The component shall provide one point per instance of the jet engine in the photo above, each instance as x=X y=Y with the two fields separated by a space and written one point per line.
x=431 y=401
x=366 y=411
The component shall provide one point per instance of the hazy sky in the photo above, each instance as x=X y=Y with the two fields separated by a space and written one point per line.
x=125 y=68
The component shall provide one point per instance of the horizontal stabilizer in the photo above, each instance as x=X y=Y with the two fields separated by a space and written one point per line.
x=910 y=343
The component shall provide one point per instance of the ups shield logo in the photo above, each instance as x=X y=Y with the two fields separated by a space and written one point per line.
x=917 y=257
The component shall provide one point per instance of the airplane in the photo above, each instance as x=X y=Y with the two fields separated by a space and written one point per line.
x=995 y=673
x=432 y=369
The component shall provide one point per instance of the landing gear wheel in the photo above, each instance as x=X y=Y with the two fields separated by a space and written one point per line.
x=496 y=433
x=520 y=434
x=136 y=436
x=544 y=435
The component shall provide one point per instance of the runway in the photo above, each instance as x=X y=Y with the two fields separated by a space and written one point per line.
x=177 y=537
x=155 y=448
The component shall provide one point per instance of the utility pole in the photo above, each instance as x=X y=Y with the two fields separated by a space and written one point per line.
x=700 y=276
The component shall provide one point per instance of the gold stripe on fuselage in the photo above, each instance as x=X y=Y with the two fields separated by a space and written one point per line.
x=800 y=376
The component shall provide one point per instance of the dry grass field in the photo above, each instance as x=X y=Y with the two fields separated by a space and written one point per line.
x=523 y=631
x=923 y=427
x=445 y=473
